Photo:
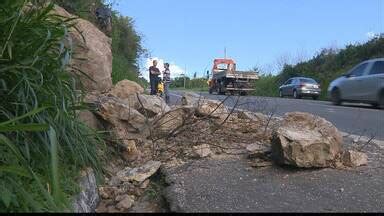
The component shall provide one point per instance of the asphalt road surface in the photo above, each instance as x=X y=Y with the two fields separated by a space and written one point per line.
x=232 y=185
x=357 y=119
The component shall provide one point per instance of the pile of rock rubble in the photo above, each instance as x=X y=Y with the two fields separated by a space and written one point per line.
x=151 y=133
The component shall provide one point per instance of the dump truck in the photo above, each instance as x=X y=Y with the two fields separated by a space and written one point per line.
x=226 y=79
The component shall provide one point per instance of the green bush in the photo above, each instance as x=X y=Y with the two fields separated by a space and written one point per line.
x=195 y=84
x=81 y=8
x=267 y=85
x=42 y=144
x=126 y=49
x=327 y=65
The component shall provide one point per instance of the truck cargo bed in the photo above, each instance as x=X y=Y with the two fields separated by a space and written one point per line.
x=237 y=75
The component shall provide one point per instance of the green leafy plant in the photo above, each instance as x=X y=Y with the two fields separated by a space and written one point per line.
x=42 y=145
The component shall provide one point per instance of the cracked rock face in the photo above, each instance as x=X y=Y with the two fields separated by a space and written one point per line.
x=304 y=140
x=92 y=54
x=87 y=200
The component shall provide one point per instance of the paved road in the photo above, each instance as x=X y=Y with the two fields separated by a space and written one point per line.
x=358 y=119
x=231 y=185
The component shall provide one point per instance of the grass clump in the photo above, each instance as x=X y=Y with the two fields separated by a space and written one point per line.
x=42 y=144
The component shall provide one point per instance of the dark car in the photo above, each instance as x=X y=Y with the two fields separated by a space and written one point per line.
x=300 y=87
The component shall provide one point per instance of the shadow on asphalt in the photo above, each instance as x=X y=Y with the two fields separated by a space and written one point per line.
x=360 y=106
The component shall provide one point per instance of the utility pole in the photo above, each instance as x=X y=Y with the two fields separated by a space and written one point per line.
x=225 y=52
x=185 y=71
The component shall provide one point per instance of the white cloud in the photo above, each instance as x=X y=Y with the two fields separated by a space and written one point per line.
x=176 y=70
x=371 y=35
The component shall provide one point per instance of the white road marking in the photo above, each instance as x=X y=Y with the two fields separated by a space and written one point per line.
x=365 y=139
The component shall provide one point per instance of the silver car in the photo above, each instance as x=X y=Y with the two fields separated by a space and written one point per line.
x=364 y=83
x=299 y=87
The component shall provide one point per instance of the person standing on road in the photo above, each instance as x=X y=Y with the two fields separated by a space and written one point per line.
x=154 y=73
x=166 y=81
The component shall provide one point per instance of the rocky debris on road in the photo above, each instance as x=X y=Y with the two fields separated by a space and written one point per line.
x=259 y=155
x=304 y=140
x=151 y=105
x=202 y=151
x=145 y=128
x=170 y=122
x=205 y=107
x=125 y=187
x=139 y=174
x=124 y=202
x=352 y=158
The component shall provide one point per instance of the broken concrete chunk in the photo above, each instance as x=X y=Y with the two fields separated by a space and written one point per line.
x=305 y=140
x=139 y=174
x=202 y=151
x=354 y=158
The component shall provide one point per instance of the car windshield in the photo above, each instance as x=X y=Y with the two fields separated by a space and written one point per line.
x=309 y=81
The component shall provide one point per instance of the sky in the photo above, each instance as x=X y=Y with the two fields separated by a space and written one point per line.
x=189 y=34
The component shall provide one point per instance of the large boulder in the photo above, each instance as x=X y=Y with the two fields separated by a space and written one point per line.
x=151 y=105
x=305 y=140
x=124 y=122
x=139 y=174
x=92 y=54
x=90 y=119
x=113 y=110
x=204 y=106
x=125 y=89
